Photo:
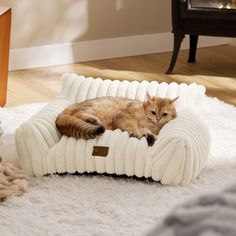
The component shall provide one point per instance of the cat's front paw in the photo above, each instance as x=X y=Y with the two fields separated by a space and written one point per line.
x=150 y=139
x=132 y=135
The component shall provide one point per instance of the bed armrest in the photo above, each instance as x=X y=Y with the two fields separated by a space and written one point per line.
x=181 y=150
x=41 y=133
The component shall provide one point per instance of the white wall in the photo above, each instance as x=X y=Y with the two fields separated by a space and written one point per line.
x=53 y=32
x=45 y=22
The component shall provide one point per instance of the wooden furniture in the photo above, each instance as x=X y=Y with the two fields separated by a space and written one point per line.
x=5 y=25
x=201 y=17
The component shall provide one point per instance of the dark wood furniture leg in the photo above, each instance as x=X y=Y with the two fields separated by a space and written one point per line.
x=178 y=38
x=192 y=48
x=5 y=25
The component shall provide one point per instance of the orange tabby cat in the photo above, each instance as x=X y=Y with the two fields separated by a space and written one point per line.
x=91 y=118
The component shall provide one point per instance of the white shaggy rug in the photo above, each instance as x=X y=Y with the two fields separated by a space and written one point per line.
x=98 y=205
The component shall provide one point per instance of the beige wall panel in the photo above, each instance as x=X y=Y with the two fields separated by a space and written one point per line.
x=44 y=22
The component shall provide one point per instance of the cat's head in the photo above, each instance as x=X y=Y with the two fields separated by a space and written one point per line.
x=160 y=110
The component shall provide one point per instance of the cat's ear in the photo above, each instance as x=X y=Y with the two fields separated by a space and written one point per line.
x=149 y=97
x=173 y=100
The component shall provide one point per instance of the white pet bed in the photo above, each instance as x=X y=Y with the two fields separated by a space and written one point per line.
x=177 y=157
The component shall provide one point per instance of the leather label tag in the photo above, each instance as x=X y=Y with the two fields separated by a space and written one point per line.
x=100 y=151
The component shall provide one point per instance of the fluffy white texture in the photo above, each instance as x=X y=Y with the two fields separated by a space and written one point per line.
x=177 y=157
x=1 y=133
x=98 y=205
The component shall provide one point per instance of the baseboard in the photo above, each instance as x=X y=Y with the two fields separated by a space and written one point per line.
x=58 y=54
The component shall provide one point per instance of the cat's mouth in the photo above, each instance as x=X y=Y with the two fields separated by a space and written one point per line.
x=160 y=122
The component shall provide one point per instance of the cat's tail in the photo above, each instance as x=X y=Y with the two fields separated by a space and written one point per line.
x=73 y=126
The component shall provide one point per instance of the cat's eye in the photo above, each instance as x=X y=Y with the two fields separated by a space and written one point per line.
x=165 y=114
x=154 y=113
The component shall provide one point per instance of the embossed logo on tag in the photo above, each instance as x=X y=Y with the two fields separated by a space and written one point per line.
x=100 y=151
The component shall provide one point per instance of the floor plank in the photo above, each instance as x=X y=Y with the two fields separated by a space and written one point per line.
x=215 y=68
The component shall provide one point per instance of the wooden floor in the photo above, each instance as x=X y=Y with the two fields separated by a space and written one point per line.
x=215 y=68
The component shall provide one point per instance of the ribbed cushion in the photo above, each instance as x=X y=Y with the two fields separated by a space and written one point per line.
x=78 y=88
x=177 y=157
